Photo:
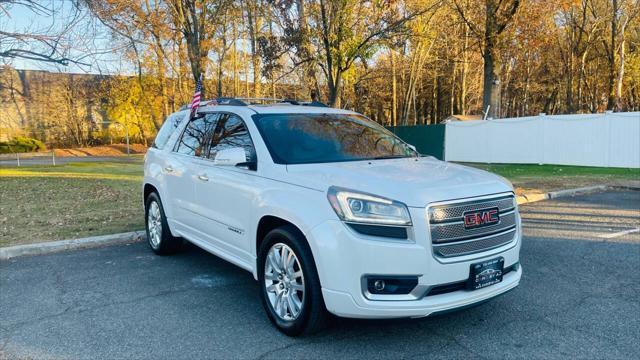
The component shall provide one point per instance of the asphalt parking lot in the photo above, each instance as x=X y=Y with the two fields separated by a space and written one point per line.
x=579 y=297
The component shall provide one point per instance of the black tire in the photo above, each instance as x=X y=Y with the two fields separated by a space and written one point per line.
x=168 y=244
x=313 y=314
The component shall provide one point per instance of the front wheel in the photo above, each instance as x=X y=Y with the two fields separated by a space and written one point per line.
x=290 y=287
x=158 y=234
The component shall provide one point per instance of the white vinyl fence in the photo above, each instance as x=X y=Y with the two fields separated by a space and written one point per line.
x=607 y=140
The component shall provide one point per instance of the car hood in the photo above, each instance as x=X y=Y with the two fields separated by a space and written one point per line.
x=413 y=181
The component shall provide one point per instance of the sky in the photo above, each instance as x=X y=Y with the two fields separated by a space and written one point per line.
x=86 y=39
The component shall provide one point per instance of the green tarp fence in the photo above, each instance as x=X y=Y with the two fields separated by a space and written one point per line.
x=428 y=139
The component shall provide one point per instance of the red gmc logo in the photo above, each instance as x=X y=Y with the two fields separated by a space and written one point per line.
x=478 y=218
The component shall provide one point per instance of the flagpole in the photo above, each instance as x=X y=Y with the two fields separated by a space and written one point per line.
x=195 y=102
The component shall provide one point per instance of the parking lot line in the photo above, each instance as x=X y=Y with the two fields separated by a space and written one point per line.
x=619 y=233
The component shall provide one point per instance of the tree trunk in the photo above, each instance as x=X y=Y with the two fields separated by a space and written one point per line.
x=611 y=98
x=255 y=23
x=493 y=27
x=452 y=91
x=394 y=90
x=491 y=84
x=619 y=87
x=236 y=83
x=220 y=73
x=464 y=73
x=570 y=69
x=306 y=51
x=525 y=102
x=245 y=62
x=335 y=89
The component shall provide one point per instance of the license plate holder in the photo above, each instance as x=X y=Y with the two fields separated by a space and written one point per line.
x=485 y=273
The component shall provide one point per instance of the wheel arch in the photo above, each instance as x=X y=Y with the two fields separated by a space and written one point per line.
x=268 y=223
x=148 y=189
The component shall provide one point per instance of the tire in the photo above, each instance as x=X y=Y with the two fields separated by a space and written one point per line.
x=159 y=236
x=312 y=314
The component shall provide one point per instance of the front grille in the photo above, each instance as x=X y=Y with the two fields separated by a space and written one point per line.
x=474 y=246
x=450 y=238
x=448 y=232
x=441 y=213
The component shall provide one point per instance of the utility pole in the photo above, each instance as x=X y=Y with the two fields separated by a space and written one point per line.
x=126 y=132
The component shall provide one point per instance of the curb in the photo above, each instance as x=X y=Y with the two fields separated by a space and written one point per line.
x=62 y=245
x=533 y=197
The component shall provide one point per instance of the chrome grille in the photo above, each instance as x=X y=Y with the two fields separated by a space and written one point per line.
x=455 y=231
x=483 y=244
x=449 y=236
x=441 y=213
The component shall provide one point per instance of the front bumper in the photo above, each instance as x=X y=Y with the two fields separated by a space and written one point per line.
x=343 y=304
x=343 y=257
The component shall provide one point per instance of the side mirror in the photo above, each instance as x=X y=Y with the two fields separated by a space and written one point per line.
x=413 y=147
x=230 y=157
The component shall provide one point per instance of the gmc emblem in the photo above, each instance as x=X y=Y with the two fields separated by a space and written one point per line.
x=479 y=218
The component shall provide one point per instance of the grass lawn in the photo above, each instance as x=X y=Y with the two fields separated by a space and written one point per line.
x=44 y=203
x=40 y=203
x=546 y=178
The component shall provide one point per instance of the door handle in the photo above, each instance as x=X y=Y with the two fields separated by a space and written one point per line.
x=168 y=169
x=203 y=177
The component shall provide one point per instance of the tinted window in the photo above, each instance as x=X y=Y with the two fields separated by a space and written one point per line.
x=195 y=137
x=312 y=138
x=167 y=129
x=231 y=132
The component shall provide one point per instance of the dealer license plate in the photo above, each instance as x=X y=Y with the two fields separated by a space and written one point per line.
x=485 y=273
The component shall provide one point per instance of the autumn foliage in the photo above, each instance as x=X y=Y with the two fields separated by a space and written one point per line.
x=400 y=62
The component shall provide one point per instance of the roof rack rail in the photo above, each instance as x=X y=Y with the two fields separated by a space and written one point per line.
x=218 y=101
x=259 y=100
x=246 y=101
x=230 y=101
x=305 y=103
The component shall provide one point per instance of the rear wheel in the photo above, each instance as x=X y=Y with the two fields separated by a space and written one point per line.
x=290 y=287
x=158 y=234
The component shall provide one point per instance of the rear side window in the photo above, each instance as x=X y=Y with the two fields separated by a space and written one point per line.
x=167 y=129
x=231 y=132
x=194 y=139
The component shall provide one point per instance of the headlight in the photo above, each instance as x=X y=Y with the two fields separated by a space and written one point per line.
x=359 y=207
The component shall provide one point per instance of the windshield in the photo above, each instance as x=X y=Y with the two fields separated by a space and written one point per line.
x=317 y=138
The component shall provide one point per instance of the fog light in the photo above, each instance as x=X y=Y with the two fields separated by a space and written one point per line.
x=378 y=285
x=391 y=285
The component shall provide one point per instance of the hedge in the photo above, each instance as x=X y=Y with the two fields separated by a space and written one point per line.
x=21 y=145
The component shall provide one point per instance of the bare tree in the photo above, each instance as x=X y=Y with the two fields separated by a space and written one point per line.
x=49 y=44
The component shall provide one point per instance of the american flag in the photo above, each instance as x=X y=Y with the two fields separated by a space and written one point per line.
x=195 y=103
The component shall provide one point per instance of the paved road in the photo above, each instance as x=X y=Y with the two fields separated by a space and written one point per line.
x=46 y=160
x=579 y=297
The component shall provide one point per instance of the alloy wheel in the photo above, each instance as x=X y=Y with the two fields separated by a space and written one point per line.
x=284 y=282
x=154 y=224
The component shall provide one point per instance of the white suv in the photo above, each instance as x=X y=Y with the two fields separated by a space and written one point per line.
x=330 y=212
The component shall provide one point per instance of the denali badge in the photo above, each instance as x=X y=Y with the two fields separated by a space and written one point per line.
x=478 y=218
